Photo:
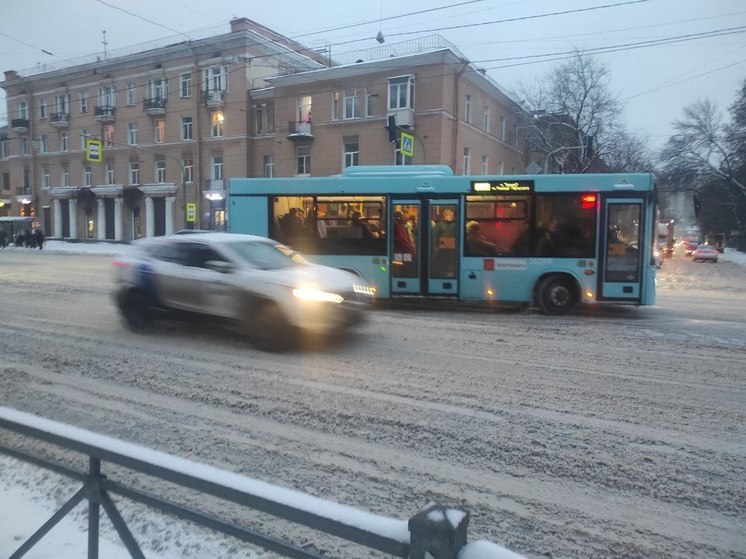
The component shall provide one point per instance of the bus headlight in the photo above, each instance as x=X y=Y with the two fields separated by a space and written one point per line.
x=314 y=295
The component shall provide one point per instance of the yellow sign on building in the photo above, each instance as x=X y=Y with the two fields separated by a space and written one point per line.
x=407 y=144
x=191 y=212
x=94 y=150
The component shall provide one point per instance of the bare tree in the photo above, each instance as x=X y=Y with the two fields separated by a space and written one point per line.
x=575 y=117
x=705 y=155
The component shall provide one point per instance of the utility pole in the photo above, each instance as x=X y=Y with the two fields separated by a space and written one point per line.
x=104 y=43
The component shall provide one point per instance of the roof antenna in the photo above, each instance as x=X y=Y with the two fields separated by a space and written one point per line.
x=379 y=37
x=104 y=43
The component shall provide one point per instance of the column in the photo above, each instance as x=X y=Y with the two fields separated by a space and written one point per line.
x=57 y=214
x=100 y=220
x=170 y=215
x=149 y=217
x=73 y=218
x=117 y=219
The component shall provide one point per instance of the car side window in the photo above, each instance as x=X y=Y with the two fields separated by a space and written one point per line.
x=168 y=252
x=198 y=254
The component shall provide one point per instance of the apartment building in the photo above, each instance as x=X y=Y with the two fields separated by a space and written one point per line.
x=319 y=122
x=171 y=122
x=176 y=122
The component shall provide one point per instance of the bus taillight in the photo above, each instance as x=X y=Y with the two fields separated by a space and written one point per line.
x=588 y=201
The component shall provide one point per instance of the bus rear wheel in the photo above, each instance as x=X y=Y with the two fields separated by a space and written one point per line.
x=556 y=295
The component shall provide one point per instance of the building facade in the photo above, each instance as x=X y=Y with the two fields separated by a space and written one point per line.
x=176 y=122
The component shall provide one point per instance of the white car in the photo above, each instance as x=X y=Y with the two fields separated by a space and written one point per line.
x=705 y=252
x=263 y=287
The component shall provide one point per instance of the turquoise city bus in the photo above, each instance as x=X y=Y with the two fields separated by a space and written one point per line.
x=420 y=231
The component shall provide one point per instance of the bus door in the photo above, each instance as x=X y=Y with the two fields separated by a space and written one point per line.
x=622 y=249
x=443 y=245
x=423 y=250
x=405 y=247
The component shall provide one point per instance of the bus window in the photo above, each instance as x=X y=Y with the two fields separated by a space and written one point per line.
x=566 y=226
x=503 y=221
x=349 y=225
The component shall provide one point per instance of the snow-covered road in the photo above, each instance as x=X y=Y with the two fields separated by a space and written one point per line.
x=608 y=433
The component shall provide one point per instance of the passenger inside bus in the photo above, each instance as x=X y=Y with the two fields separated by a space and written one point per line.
x=476 y=243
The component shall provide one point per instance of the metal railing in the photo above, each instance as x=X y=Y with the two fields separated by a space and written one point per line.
x=431 y=530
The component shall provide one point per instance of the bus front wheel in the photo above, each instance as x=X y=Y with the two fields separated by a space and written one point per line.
x=556 y=295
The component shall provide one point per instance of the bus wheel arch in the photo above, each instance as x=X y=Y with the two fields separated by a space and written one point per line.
x=556 y=293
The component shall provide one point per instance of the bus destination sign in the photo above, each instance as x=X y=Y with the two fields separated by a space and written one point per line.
x=503 y=187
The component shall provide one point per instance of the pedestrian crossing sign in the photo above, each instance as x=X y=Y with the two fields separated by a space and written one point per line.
x=93 y=150
x=407 y=144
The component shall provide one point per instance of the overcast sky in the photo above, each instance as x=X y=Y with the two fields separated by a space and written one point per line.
x=654 y=82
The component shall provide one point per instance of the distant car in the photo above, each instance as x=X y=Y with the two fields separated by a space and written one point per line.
x=258 y=285
x=690 y=247
x=705 y=252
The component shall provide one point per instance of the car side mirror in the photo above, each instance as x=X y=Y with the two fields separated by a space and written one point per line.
x=219 y=266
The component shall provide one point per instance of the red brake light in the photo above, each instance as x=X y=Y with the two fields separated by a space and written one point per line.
x=588 y=201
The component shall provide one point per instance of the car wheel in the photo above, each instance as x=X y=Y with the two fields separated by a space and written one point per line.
x=137 y=311
x=555 y=295
x=268 y=328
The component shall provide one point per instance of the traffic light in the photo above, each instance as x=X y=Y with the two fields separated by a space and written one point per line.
x=392 y=128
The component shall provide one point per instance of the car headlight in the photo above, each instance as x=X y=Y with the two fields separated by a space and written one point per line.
x=316 y=295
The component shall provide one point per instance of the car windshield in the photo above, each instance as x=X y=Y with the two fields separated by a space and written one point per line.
x=267 y=255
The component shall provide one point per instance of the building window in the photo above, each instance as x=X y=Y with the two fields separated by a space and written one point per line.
x=132 y=94
x=22 y=110
x=157 y=88
x=369 y=104
x=24 y=145
x=399 y=157
x=4 y=148
x=467 y=109
x=107 y=96
x=352 y=103
x=185 y=85
x=132 y=133
x=188 y=170
x=269 y=166
x=186 y=128
x=217 y=167
x=44 y=144
x=486 y=120
x=87 y=176
x=83 y=101
x=64 y=141
x=401 y=92
x=134 y=172
x=26 y=180
x=84 y=135
x=467 y=161
x=264 y=120
x=303 y=158
x=65 y=177
x=501 y=130
x=110 y=173
x=485 y=164
x=215 y=79
x=42 y=108
x=62 y=104
x=159 y=130
x=6 y=181
x=160 y=170
x=351 y=153
x=217 y=125
x=45 y=177
x=109 y=135
x=303 y=106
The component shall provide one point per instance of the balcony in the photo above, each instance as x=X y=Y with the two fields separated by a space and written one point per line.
x=213 y=99
x=155 y=105
x=59 y=120
x=105 y=113
x=19 y=125
x=404 y=117
x=299 y=130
